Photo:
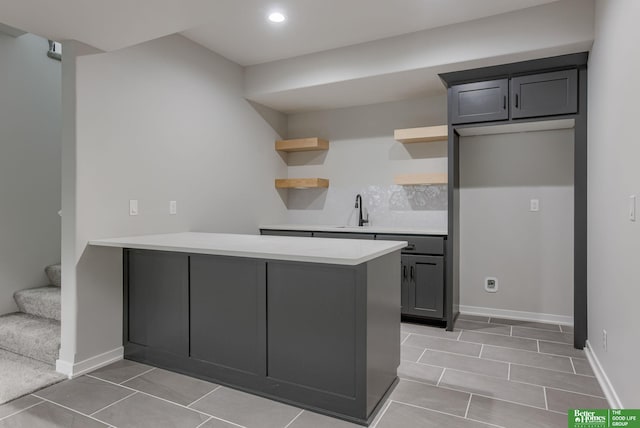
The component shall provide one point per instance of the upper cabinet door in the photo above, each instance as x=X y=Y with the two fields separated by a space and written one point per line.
x=480 y=102
x=544 y=94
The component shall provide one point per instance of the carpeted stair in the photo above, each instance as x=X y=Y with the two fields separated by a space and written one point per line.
x=54 y=273
x=30 y=339
x=33 y=337
x=41 y=302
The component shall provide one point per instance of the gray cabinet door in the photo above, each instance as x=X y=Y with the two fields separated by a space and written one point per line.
x=313 y=345
x=544 y=94
x=480 y=101
x=158 y=300
x=426 y=287
x=228 y=312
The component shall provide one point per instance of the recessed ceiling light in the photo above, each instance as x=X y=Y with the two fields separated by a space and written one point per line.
x=277 y=17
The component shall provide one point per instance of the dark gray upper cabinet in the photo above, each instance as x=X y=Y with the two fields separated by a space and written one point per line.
x=480 y=101
x=544 y=94
x=161 y=278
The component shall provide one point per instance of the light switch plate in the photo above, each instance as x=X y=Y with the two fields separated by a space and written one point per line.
x=173 y=207
x=632 y=208
x=534 y=205
x=133 y=207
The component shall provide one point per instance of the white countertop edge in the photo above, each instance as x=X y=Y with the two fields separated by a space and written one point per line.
x=355 y=229
x=130 y=242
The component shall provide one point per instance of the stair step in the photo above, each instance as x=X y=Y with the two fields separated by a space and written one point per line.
x=41 y=302
x=54 y=274
x=33 y=337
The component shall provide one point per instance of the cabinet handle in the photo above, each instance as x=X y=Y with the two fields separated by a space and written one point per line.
x=516 y=100
x=404 y=272
x=504 y=102
x=411 y=273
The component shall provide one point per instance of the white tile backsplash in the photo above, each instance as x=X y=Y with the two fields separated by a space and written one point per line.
x=387 y=205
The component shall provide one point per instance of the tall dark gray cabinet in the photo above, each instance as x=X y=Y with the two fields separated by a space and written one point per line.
x=518 y=93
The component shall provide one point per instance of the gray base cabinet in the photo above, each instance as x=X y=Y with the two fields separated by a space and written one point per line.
x=422 y=275
x=319 y=336
x=422 y=267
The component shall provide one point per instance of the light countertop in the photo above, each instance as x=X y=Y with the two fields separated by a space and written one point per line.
x=312 y=250
x=356 y=229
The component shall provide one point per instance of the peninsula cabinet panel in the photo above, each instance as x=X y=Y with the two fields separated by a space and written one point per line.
x=158 y=300
x=228 y=308
x=480 y=101
x=321 y=336
x=312 y=345
x=544 y=94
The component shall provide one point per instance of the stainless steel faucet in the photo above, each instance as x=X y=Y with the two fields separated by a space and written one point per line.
x=361 y=221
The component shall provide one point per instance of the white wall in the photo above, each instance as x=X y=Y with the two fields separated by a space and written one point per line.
x=614 y=241
x=30 y=146
x=363 y=158
x=531 y=253
x=161 y=121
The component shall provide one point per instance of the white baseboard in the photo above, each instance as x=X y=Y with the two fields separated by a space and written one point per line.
x=605 y=383
x=72 y=370
x=516 y=315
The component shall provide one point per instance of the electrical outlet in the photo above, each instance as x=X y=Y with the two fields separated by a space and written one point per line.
x=534 y=205
x=491 y=285
x=133 y=207
x=604 y=340
x=173 y=207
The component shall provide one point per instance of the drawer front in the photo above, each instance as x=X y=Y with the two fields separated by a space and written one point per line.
x=301 y=233
x=418 y=244
x=343 y=235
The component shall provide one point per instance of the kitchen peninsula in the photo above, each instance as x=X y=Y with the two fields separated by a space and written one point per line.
x=311 y=322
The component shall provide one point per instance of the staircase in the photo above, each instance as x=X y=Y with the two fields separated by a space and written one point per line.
x=34 y=332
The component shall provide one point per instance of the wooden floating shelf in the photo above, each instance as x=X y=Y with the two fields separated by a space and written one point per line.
x=301 y=183
x=417 y=179
x=422 y=135
x=302 y=145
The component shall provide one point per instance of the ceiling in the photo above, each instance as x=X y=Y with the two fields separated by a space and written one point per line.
x=241 y=33
x=329 y=53
x=238 y=29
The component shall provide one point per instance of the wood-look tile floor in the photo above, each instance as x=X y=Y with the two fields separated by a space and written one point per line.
x=502 y=373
